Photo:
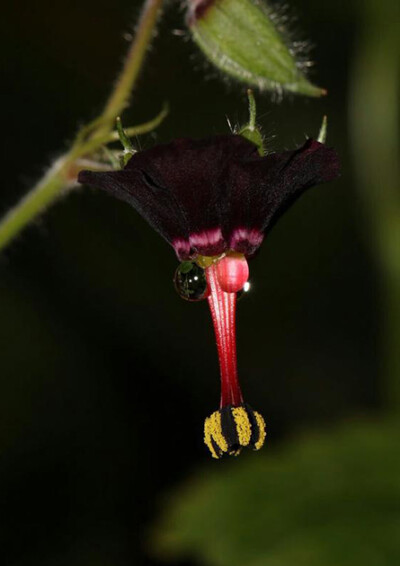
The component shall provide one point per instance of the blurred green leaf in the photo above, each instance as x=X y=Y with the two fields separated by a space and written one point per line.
x=331 y=499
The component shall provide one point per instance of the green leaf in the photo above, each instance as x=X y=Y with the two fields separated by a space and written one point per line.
x=329 y=499
x=241 y=39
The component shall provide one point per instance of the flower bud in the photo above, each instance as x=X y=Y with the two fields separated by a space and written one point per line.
x=242 y=40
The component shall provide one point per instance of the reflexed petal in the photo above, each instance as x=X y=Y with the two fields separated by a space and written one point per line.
x=152 y=200
x=262 y=189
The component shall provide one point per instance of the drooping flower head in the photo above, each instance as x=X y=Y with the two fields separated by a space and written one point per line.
x=214 y=200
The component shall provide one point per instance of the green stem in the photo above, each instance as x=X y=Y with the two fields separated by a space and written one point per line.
x=62 y=174
x=133 y=62
x=34 y=202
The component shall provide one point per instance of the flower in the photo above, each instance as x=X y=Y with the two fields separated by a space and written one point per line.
x=208 y=196
x=214 y=200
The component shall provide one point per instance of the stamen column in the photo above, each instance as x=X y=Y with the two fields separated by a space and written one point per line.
x=223 y=312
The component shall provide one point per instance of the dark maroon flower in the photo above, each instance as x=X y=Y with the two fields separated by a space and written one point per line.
x=208 y=196
x=214 y=200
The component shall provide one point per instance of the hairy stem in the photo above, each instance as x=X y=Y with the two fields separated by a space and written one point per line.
x=133 y=62
x=42 y=194
x=62 y=175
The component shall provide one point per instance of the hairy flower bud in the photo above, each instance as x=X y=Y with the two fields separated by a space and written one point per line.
x=241 y=38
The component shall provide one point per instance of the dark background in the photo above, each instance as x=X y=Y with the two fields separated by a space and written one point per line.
x=106 y=374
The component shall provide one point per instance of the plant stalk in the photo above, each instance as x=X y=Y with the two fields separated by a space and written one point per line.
x=119 y=97
x=62 y=175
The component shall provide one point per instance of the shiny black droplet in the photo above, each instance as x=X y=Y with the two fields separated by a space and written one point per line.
x=190 y=282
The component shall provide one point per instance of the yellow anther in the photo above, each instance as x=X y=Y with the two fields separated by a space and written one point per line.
x=207 y=440
x=262 y=432
x=217 y=433
x=213 y=434
x=243 y=426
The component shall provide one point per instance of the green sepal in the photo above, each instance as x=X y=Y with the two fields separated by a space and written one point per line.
x=126 y=144
x=251 y=131
x=255 y=137
x=323 y=132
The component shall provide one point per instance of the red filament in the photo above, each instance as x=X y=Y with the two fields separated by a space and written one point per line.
x=223 y=311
